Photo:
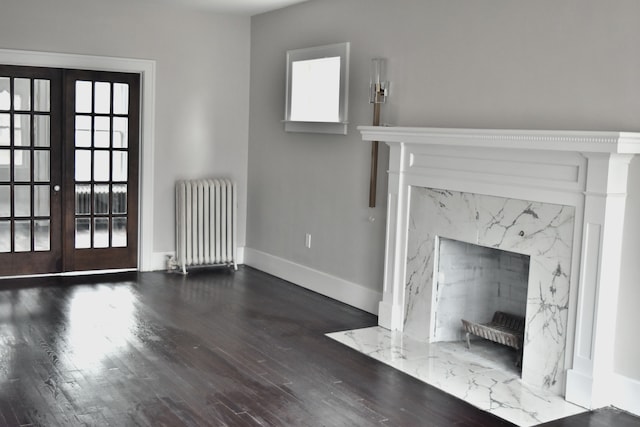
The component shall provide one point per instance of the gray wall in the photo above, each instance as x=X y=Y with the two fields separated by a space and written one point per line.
x=202 y=94
x=548 y=64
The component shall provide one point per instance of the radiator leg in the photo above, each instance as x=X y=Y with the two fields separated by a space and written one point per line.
x=468 y=341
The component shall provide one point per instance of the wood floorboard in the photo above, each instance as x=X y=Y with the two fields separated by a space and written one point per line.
x=607 y=417
x=213 y=348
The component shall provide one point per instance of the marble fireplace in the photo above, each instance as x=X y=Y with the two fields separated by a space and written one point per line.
x=557 y=197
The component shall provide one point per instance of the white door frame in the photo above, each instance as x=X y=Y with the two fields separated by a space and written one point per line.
x=147 y=70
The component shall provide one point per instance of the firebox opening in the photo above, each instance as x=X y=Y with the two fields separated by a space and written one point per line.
x=474 y=283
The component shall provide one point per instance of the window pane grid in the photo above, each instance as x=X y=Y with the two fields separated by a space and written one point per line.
x=24 y=125
x=104 y=209
x=101 y=164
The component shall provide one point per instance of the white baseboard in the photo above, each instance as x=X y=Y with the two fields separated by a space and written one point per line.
x=626 y=394
x=578 y=388
x=159 y=260
x=333 y=287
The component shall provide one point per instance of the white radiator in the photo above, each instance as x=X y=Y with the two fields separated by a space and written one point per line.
x=206 y=223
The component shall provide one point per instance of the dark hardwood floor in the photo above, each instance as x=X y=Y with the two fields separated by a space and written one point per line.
x=212 y=348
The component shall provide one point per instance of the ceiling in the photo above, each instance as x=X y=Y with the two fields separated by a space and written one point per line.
x=241 y=7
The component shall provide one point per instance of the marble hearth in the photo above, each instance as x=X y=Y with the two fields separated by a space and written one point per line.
x=556 y=196
x=484 y=377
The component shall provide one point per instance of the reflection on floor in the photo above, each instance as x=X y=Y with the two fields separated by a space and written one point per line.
x=484 y=376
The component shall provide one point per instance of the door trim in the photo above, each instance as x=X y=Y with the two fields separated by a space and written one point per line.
x=147 y=70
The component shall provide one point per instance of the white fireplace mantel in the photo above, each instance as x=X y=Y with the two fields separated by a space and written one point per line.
x=582 y=169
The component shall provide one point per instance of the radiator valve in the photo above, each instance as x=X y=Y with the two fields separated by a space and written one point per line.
x=172 y=264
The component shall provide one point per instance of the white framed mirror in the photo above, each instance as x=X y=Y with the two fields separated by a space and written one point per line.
x=317 y=88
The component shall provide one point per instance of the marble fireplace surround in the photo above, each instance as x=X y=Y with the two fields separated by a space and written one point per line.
x=543 y=231
x=574 y=182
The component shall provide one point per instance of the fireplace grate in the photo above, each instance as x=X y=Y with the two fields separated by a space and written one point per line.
x=504 y=328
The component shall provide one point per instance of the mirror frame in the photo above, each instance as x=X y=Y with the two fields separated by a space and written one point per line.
x=317 y=52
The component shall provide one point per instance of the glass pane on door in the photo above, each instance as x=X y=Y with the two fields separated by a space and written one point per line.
x=22 y=94
x=22 y=236
x=5 y=236
x=42 y=130
x=41 y=95
x=42 y=235
x=5 y=201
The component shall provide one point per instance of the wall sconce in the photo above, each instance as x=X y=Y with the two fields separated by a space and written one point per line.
x=378 y=86
x=378 y=92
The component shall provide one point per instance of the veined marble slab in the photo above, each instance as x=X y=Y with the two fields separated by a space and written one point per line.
x=544 y=231
x=483 y=376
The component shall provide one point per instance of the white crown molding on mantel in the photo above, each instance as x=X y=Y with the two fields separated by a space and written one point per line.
x=584 y=169
x=552 y=140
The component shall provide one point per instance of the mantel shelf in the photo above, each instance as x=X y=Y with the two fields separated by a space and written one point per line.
x=546 y=140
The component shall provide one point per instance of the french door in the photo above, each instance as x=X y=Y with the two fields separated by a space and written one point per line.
x=68 y=170
x=101 y=114
x=30 y=172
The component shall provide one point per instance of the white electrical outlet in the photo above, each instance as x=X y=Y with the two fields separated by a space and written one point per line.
x=307 y=240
